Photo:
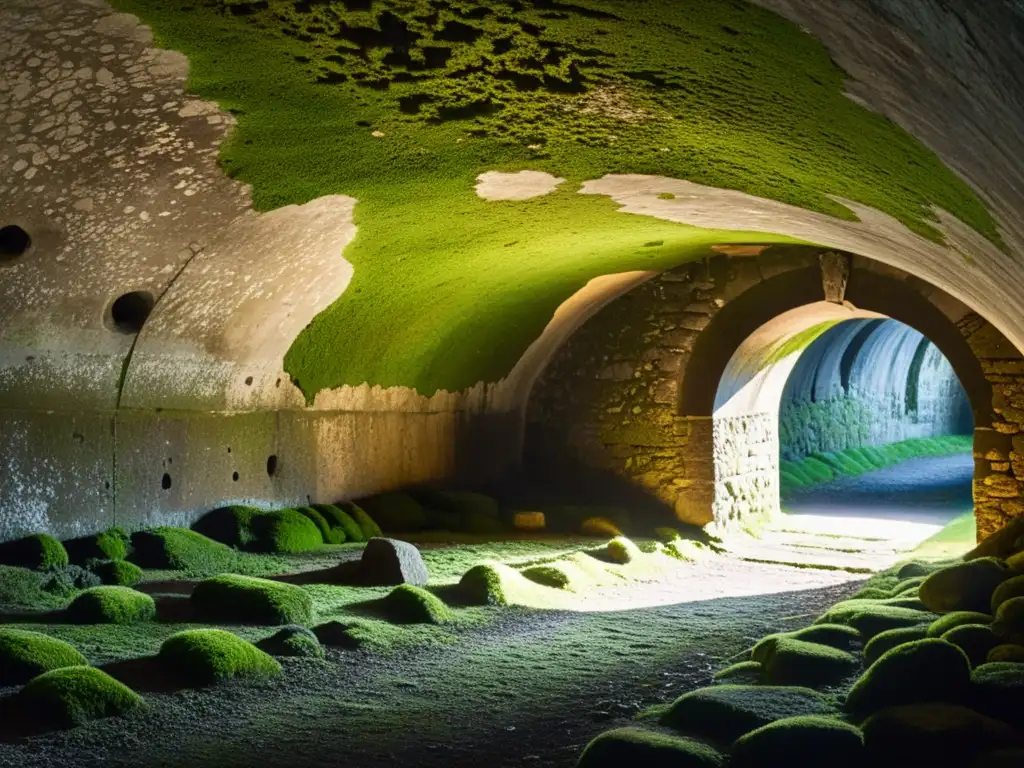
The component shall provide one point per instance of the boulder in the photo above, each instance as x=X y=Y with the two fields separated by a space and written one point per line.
x=812 y=741
x=293 y=640
x=651 y=749
x=976 y=640
x=939 y=627
x=389 y=562
x=965 y=586
x=889 y=639
x=798 y=662
x=1004 y=543
x=1009 y=623
x=1009 y=589
x=997 y=690
x=1007 y=652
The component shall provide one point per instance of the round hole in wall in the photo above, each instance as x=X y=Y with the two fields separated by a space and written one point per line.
x=14 y=241
x=271 y=465
x=166 y=482
x=130 y=311
x=234 y=476
x=248 y=381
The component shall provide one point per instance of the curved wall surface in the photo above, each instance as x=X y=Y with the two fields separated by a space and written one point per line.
x=869 y=382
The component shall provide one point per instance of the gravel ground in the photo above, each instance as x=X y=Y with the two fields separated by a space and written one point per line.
x=531 y=689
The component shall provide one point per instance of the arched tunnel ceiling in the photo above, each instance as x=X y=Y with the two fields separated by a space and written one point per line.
x=119 y=186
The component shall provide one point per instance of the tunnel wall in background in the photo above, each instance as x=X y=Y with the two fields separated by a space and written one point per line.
x=869 y=382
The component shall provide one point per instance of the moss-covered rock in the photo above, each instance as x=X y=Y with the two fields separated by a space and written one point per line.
x=182 y=550
x=328 y=533
x=24 y=654
x=111 y=605
x=1009 y=589
x=601 y=527
x=342 y=521
x=206 y=656
x=409 y=604
x=997 y=690
x=230 y=598
x=741 y=673
x=812 y=741
x=285 y=531
x=908 y=587
x=942 y=625
x=1007 y=652
x=293 y=640
x=396 y=512
x=1004 y=543
x=367 y=525
x=651 y=749
x=1009 y=623
x=111 y=544
x=1016 y=562
x=919 y=671
x=723 y=713
x=871 y=618
x=965 y=586
x=494 y=584
x=71 y=696
x=37 y=551
x=556 y=575
x=797 y=662
x=915 y=569
x=231 y=525
x=834 y=635
x=119 y=573
x=621 y=550
x=976 y=640
x=884 y=641
x=931 y=734
x=871 y=593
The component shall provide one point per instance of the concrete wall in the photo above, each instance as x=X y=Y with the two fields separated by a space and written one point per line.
x=869 y=382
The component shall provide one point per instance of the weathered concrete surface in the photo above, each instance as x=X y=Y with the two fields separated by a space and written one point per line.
x=524 y=185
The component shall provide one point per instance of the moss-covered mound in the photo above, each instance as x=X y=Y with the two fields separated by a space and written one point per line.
x=997 y=690
x=932 y=734
x=621 y=550
x=329 y=534
x=341 y=520
x=942 y=625
x=183 y=550
x=1009 y=623
x=231 y=598
x=367 y=525
x=24 y=654
x=797 y=662
x=119 y=573
x=111 y=544
x=285 y=531
x=1007 y=652
x=884 y=641
x=741 y=673
x=920 y=671
x=293 y=640
x=871 y=617
x=976 y=640
x=1016 y=562
x=206 y=656
x=1009 y=589
x=111 y=605
x=965 y=586
x=1004 y=543
x=230 y=525
x=601 y=527
x=70 y=696
x=557 y=575
x=811 y=741
x=651 y=749
x=723 y=713
x=396 y=512
x=408 y=604
x=834 y=635
x=494 y=584
x=37 y=551
x=24 y=589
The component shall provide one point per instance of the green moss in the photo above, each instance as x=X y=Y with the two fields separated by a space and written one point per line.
x=891 y=638
x=329 y=534
x=931 y=734
x=621 y=550
x=37 y=551
x=366 y=523
x=1009 y=621
x=871 y=593
x=1007 y=652
x=285 y=531
x=964 y=587
x=396 y=512
x=742 y=673
x=811 y=741
x=834 y=635
x=919 y=671
x=231 y=598
x=24 y=654
x=408 y=604
x=293 y=640
x=230 y=525
x=1013 y=587
x=997 y=690
x=182 y=550
x=975 y=640
x=111 y=544
x=783 y=129
x=72 y=696
x=723 y=713
x=24 y=589
x=341 y=520
x=118 y=572
x=797 y=662
x=942 y=625
x=554 y=575
x=207 y=656
x=872 y=617
x=636 y=746
x=111 y=605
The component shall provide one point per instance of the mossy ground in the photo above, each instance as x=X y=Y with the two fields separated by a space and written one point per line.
x=454 y=288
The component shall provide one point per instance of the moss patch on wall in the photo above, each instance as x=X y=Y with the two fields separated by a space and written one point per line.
x=402 y=103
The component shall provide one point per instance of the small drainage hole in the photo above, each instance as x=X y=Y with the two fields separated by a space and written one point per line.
x=166 y=482
x=129 y=312
x=234 y=476
x=14 y=241
x=271 y=465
